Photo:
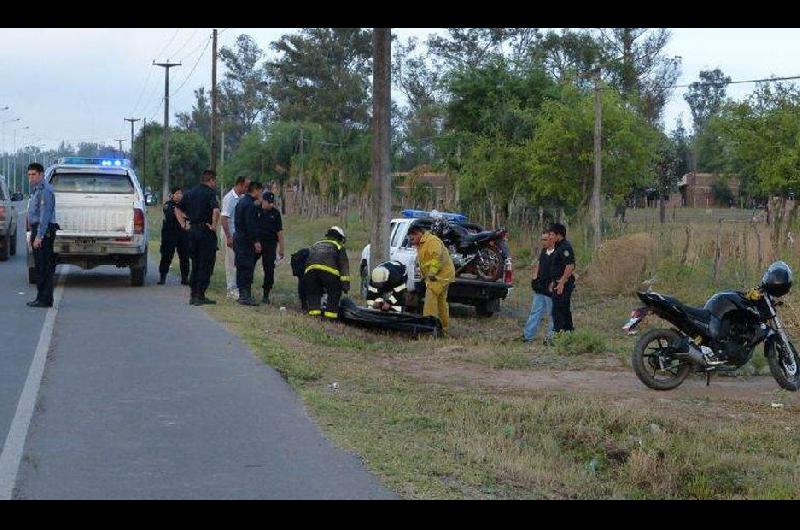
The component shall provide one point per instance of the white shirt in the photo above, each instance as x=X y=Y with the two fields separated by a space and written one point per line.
x=229 y=202
x=550 y=251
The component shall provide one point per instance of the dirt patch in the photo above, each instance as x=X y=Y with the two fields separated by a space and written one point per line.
x=619 y=385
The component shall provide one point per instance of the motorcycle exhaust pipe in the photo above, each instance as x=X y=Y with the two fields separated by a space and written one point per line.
x=694 y=355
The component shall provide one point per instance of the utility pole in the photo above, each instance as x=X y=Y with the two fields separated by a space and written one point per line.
x=120 y=144
x=132 y=120
x=597 y=203
x=381 y=131
x=144 y=153
x=214 y=101
x=166 y=66
x=301 y=208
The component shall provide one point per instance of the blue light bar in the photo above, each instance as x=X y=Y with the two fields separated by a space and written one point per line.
x=85 y=161
x=423 y=214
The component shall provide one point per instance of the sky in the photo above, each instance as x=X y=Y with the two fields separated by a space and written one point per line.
x=79 y=84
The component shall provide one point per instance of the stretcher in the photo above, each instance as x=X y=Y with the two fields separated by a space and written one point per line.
x=350 y=313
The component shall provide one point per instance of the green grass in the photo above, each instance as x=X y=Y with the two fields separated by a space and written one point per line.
x=437 y=438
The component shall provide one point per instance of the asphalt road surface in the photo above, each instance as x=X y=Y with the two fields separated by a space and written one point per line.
x=145 y=397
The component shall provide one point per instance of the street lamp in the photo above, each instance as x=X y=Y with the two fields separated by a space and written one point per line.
x=3 y=146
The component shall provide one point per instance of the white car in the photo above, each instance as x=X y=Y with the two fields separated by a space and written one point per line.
x=100 y=208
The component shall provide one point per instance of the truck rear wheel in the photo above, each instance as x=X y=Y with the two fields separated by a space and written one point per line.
x=488 y=308
x=13 y=247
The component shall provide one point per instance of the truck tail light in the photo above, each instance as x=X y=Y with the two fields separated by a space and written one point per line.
x=2 y=213
x=138 y=221
x=508 y=277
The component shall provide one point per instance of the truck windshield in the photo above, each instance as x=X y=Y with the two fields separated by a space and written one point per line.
x=91 y=183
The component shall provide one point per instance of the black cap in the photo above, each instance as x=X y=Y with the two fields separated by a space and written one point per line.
x=268 y=196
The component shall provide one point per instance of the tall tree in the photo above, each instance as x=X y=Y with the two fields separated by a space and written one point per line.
x=469 y=47
x=705 y=97
x=639 y=67
x=244 y=96
x=199 y=119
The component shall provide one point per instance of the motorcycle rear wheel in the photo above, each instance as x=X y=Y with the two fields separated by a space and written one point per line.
x=645 y=360
x=785 y=369
x=489 y=264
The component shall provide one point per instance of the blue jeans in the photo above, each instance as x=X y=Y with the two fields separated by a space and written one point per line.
x=541 y=304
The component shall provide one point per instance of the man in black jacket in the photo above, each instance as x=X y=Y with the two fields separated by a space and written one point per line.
x=327 y=271
x=299 y=260
x=270 y=235
x=173 y=237
x=542 y=301
x=562 y=279
x=245 y=242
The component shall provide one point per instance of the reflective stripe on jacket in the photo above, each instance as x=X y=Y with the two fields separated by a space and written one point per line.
x=434 y=260
x=329 y=256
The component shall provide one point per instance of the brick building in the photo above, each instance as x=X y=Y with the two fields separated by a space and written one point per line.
x=696 y=190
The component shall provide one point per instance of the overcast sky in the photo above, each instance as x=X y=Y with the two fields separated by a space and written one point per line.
x=79 y=84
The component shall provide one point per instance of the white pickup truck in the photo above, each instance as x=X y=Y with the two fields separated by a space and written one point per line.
x=484 y=296
x=8 y=221
x=100 y=208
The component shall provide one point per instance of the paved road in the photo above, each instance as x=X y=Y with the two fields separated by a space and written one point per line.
x=146 y=397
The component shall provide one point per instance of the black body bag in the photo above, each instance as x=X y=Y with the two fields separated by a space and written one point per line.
x=350 y=313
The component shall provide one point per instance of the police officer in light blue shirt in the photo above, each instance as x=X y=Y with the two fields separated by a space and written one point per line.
x=41 y=218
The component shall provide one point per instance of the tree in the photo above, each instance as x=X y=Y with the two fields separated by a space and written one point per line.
x=199 y=119
x=322 y=76
x=565 y=53
x=639 y=68
x=188 y=155
x=705 y=97
x=465 y=48
x=243 y=95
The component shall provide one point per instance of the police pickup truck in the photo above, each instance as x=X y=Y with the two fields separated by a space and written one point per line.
x=100 y=208
x=484 y=296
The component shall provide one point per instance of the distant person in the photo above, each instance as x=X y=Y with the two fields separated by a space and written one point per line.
x=542 y=304
x=41 y=218
x=327 y=271
x=173 y=237
x=387 y=287
x=229 y=230
x=246 y=243
x=200 y=206
x=270 y=236
x=437 y=270
x=562 y=278
x=298 y=262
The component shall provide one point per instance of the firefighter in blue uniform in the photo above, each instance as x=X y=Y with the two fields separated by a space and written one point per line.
x=173 y=237
x=387 y=287
x=328 y=271
x=200 y=206
x=245 y=242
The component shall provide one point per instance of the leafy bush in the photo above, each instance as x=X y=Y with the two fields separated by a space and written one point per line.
x=579 y=341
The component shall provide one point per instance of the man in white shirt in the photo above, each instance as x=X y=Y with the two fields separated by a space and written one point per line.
x=229 y=229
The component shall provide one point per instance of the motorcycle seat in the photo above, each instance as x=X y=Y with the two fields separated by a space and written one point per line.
x=703 y=315
x=480 y=236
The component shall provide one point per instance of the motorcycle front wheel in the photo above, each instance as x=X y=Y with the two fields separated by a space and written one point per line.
x=784 y=365
x=653 y=363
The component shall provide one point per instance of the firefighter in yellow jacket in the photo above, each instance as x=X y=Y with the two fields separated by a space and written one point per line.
x=437 y=269
x=327 y=271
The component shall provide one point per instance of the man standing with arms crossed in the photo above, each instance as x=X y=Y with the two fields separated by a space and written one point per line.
x=229 y=228
x=438 y=271
x=41 y=218
x=200 y=206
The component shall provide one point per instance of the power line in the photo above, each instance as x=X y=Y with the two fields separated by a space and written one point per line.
x=176 y=52
x=169 y=42
x=150 y=73
x=193 y=68
x=714 y=83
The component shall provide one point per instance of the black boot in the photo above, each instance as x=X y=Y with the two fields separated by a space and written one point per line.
x=246 y=298
x=184 y=281
x=203 y=300
x=195 y=298
x=265 y=300
x=163 y=279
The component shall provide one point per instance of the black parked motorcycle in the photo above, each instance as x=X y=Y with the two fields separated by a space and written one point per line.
x=482 y=253
x=720 y=336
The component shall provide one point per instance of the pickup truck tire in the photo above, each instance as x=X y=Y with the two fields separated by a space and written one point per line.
x=13 y=247
x=6 y=247
x=138 y=275
x=32 y=279
x=488 y=308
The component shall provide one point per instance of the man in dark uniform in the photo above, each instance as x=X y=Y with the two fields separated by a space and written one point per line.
x=245 y=241
x=270 y=237
x=562 y=279
x=201 y=207
x=299 y=260
x=173 y=237
x=327 y=270
x=387 y=286
x=41 y=218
